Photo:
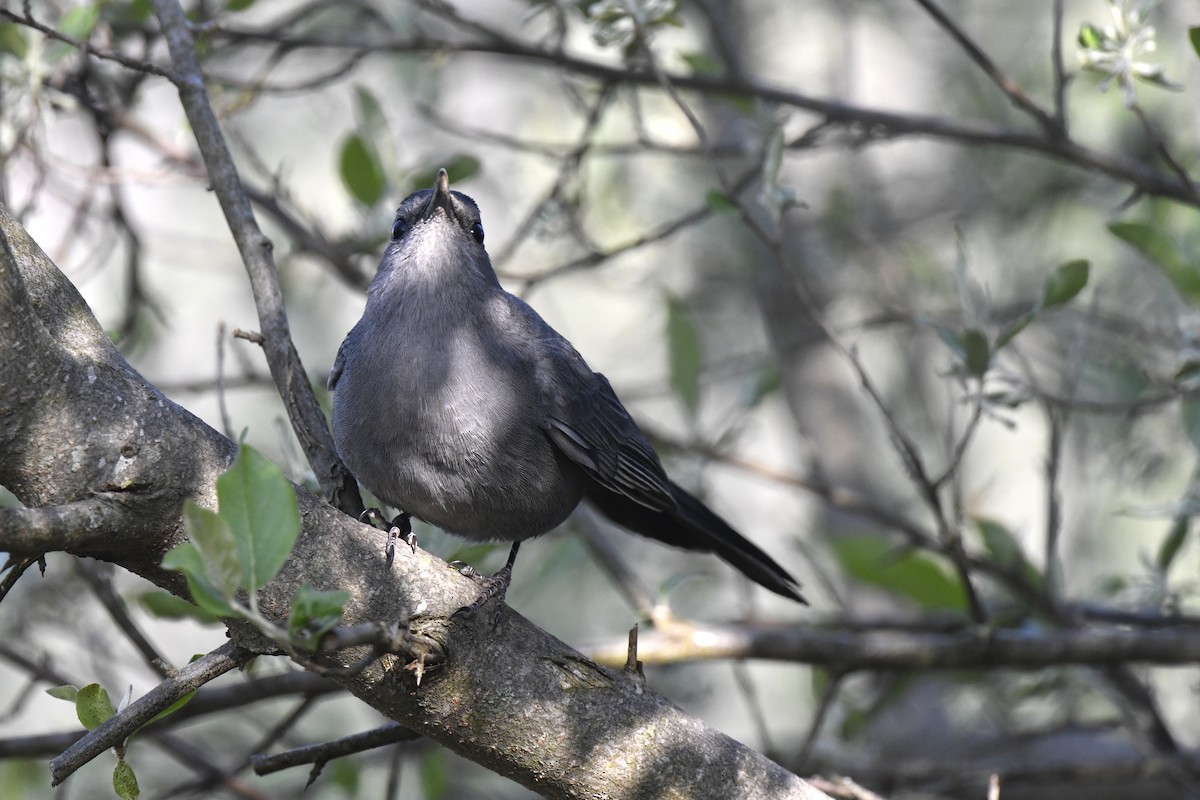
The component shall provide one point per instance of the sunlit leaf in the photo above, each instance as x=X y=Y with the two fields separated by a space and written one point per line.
x=67 y=692
x=918 y=576
x=259 y=505
x=186 y=559
x=93 y=706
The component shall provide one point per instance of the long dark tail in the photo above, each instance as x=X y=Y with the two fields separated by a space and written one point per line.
x=694 y=526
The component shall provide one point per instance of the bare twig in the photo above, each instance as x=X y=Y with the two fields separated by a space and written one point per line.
x=118 y=728
x=1011 y=89
x=308 y=421
x=327 y=751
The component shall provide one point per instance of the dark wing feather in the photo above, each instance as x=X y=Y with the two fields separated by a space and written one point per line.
x=594 y=430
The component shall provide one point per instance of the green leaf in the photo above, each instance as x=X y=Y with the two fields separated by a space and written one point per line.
x=370 y=112
x=1162 y=250
x=79 y=21
x=259 y=506
x=951 y=339
x=720 y=202
x=1006 y=550
x=12 y=40
x=435 y=774
x=1090 y=37
x=683 y=355
x=68 y=692
x=93 y=706
x=1194 y=38
x=1065 y=282
x=238 y=5
x=765 y=382
x=1190 y=411
x=918 y=576
x=171 y=709
x=1173 y=543
x=1188 y=374
x=701 y=63
x=458 y=168
x=217 y=546
x=1009 y=333
x=167 y=606
x=186 y=558
x=360 y=170
x=977 y=356
x=124 y=781
x=312 y=608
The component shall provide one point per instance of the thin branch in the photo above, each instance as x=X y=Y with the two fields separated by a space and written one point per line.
x=328 y=751
x=101 y=585
x=107 y=55
x=308 y=421
x=1011 y=89
x=876 y=125
x=118 y=728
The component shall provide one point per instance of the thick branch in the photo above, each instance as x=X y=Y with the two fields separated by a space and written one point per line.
x=512 y=698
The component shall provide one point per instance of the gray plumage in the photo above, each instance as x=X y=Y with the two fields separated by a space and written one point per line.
x=456 y=403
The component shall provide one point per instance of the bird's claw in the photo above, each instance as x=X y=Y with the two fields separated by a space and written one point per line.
x=467 y=571
x=495 y=587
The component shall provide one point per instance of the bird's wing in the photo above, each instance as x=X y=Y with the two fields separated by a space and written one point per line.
x=339 y=363
x=589 y=424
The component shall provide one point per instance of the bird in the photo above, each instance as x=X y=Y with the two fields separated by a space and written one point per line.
x=455 y=403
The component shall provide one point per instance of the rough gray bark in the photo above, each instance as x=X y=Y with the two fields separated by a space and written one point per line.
x=103 y=462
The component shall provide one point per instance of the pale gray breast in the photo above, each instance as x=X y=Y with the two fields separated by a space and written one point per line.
x=457 y=420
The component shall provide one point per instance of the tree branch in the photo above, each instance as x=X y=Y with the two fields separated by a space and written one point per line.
x=308 y=421
x=117 y=728
x=858 y=649
x=512 y=698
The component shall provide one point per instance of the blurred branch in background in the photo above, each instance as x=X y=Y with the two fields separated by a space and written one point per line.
x=901 y=288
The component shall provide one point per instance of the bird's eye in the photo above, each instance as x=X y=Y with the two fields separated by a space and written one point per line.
x=477 y=232
x=399 y=228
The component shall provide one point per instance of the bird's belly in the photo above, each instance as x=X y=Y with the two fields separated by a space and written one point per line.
x=469 y=458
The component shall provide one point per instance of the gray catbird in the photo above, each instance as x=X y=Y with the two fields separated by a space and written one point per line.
x=456 y=403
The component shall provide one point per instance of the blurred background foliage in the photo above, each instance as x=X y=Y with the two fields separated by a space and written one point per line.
x=900 y=320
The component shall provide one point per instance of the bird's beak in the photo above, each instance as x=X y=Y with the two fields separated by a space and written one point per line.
x=440 y=197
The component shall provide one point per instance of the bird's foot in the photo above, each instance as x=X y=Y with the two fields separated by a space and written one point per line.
x=401 y=525
x=495 y=586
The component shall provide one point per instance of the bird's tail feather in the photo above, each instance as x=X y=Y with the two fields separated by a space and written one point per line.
x=694 y=526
